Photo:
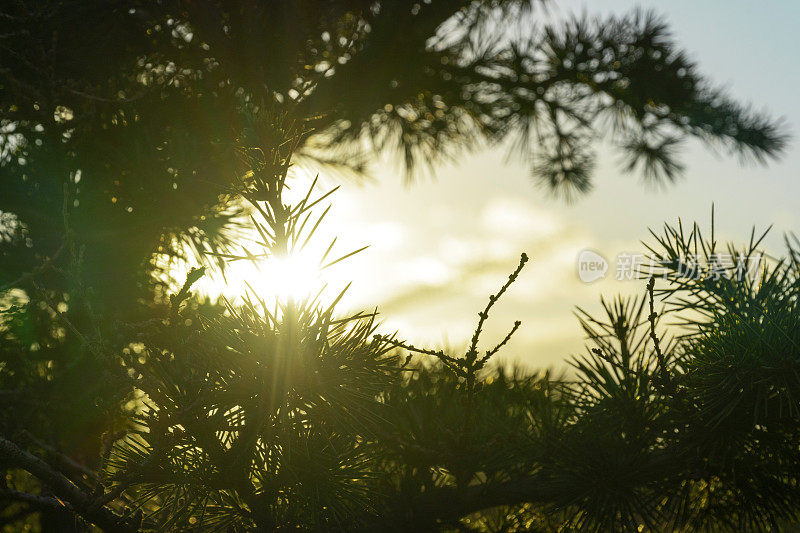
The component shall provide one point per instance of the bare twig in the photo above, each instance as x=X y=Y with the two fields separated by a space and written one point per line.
x=652 y=319
x=502 y=343
x=467 y=366
x=450 y=362
x=472 y=352
x=664 y=376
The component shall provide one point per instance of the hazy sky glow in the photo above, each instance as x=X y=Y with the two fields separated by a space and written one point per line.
x=440 y=246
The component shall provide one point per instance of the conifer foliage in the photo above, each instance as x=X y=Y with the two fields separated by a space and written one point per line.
x=129 y=403
x=278 y=415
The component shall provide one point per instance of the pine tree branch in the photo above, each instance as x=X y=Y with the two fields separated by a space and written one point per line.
x=447 y=504
x=472 y=352
x=75 y=500
x=33 y=500
x=490 y=353
x=450 y=362
x=664 y=378
x=66 y=461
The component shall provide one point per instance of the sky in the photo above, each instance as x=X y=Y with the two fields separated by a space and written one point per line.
x=440 y=246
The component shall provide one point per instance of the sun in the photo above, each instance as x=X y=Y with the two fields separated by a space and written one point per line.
x=318 y=262
x=299 y=276
x=294 y=277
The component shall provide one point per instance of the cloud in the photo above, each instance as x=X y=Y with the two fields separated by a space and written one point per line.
x=512 y=216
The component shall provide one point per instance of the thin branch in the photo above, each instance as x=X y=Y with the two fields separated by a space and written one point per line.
x=502 y=343
x=34 y=500
x=652 y=319
x=483 y=315
x=665 y=377
x=450 y=362
x=36 y=271
x=96 y=98
x=67 y=461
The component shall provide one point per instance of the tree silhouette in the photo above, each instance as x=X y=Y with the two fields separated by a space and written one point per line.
x=137 y=132
x=137 y=108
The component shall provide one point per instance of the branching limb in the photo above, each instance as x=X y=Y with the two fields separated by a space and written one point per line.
x=450 y=362
x=502 y=343
x=73 y=498
x=467 y=366
x=472 y=352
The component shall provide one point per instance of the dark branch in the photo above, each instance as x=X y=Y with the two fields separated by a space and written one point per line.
x=64 y=489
